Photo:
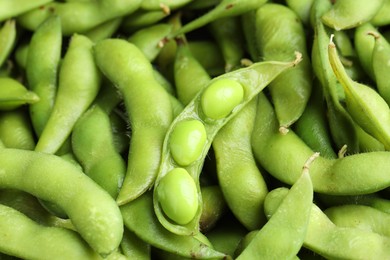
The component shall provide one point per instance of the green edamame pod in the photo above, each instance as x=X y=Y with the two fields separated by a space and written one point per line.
x=239 y=177
x=7 y=39
x=225 y=8
x=13 y=94
x=93 y=212
x=202 y=4
x=17 y=7
x=367 y=108
x=284 y=226
x=346 y=14
x=382 y=17
x=381 y=54
x=228 y=34
x=361 y=217
x=159 y=4
x=248 y=21
x=21 y=54
x=139 y=217
x=189 y=75
x=134 y=77
x=16 y=130
x=141 y=19
x=149 y=39
x=355 y=174
x=31 y=240
x=341 y=126
x=79 y=84
x=333 y=242
x=279 y=33
x=43 y=58
x=364 y=45
x=312 y=126
x=89 y=14
x=207 y=53
x=214 y=106
x=302 y=8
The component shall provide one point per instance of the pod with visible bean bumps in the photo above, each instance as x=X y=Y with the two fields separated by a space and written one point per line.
x=13 y=94
x=178 y=196
x=250 y=81
x=221 y=97
x=187 y=141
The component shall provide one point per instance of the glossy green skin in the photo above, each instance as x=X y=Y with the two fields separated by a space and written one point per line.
x=33 y=241
x=42 y=63
x=225 y=8
x=228 y=34
x=177 y=196
x=79 y=84
x=7 y=40
x=148 y=39
x=89 y=14
x=93 y=212
x=241 y=181
x=16 y=130
x=9 y=9
x=253 y=79
x=352 y=175
x=189 y=74
x=187 y=141
x=279 y=33
x=348 y=14
x=139 y=217
x=93 y=146
x=134 y=77
x=133 y=247
x=361 y=217
x=367 y=108
x=284 y=226
x=220 y=98
x=333 y=242
x=13 y=94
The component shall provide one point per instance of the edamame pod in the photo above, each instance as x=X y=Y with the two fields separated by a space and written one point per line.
x=382 y=17
x=43 y=58
x=139 y=217
x=159 y=4
x=9 y=9
x=241 y=181
x=284 y=225
x=13 y=94
x=213 y=208
x=364 y=45
x=93 y=212
x=104 y=30
x=279 y=33
x=214 y=115
x=367 y=108
x=33 y=241
x=133 y=247
x=7 y=39
x=149 y=121
x=346 y=14
x=302 y=8
x=79 y=84
x=141 y=19
x=355 y=174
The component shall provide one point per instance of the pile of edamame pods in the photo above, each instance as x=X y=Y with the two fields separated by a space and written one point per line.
x=204 y=129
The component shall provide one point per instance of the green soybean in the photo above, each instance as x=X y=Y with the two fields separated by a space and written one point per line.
x=7 y=40
x=13 y=94
x=42 y=64
x=367 y=108
x=31 y=240
x=251 y=81
x=79 y=84
x=348 y=14
x=93 y=212
x=149 y=121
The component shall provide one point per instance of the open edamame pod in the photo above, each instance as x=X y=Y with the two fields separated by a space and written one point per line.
x=346 y=14
x=93 y=212
x=367 y=108
x=193 y=131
